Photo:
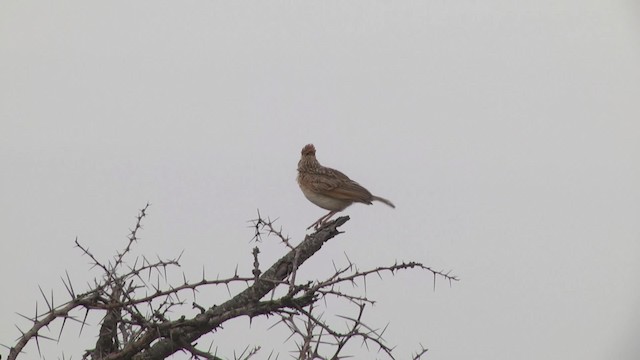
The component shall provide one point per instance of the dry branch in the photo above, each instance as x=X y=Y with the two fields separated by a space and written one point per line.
x=136 y=323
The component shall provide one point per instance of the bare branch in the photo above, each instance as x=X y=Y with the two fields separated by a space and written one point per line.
x=138 y=306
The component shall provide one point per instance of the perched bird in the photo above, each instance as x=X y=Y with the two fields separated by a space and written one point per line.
x=328 y=188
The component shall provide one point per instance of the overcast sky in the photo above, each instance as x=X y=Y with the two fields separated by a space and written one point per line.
x=506 y=132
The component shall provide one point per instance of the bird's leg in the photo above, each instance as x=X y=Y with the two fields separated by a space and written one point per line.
x=327 y=217
x=322 y=220
x=316 y=224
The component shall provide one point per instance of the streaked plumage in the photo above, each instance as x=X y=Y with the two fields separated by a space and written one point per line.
x=328 y=188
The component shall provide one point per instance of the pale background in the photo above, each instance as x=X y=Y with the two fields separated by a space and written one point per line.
x=506 y=132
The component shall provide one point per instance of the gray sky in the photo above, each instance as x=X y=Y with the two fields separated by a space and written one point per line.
x=505 y=132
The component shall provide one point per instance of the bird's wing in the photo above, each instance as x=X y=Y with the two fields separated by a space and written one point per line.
x=335 y=184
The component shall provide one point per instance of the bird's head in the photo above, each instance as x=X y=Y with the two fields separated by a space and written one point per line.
x=308 y=150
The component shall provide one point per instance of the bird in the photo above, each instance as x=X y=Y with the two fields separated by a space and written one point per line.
x=329 y=188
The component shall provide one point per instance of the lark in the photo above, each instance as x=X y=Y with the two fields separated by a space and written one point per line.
x=329 y=188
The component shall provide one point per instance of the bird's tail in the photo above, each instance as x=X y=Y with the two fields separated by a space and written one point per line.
x=383 y=200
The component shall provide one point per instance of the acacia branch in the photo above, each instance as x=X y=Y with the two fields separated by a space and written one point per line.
x=140 y=327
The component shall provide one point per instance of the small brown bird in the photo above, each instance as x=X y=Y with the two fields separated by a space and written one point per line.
x=328 y=188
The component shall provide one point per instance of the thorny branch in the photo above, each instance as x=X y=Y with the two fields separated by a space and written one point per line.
x=138 y=314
